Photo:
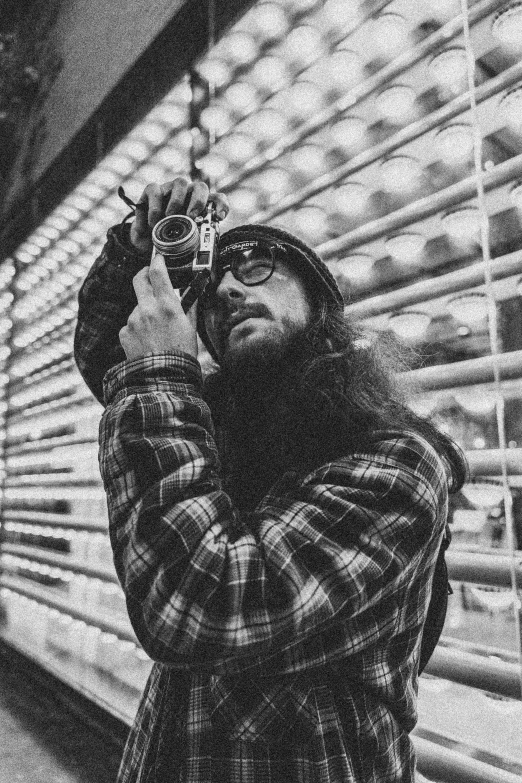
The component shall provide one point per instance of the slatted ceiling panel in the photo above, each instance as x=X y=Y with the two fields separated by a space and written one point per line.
x=419 y=73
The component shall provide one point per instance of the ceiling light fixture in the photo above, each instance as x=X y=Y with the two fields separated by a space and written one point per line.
x=507 y=25
x=479 y=402
x=312 y=221
x=400 y=173
x=407 y=247
x=455 y=142
x=396 y=103
x=511 y=107
x=390 y=34
x=350 y=198
x=470 y=308
x=410 y=326
x=449 y=68
x=348 y=132
x=463 y=224
x=357 y=268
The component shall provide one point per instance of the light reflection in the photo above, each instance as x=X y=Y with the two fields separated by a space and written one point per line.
x=410 y=326
x=407 y=247
x=507 y=26
x=455 y=142
x=396 y=103
x=449 y=67
x=351 y=198
x=348 y=132
x=390 y=34
x=400 y=172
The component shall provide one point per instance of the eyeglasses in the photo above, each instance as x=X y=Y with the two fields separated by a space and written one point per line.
x=251 y=262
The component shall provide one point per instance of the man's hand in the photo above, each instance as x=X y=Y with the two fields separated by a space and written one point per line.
x=157 y=324
x=180 y=196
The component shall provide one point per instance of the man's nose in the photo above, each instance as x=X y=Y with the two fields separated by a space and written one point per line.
x=230 y=289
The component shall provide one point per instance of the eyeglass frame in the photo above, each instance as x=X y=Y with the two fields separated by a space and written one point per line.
x=246 y=245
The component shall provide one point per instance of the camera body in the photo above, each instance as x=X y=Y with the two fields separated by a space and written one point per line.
x=189 y=247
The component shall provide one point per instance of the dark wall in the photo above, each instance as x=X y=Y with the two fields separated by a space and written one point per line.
x=101 y=66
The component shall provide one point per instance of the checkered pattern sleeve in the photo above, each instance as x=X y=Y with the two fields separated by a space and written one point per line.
x=105 y=301
x=208 y=586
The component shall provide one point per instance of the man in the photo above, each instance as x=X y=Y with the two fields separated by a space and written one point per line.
x=276 y=530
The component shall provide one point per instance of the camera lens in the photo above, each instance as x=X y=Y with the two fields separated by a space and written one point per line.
x=177 y=239
x=175 y=236
x=174 y=231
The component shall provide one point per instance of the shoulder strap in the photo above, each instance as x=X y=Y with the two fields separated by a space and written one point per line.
x=438 y=605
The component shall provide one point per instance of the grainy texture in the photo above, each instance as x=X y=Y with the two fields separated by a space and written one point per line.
x=41 y=741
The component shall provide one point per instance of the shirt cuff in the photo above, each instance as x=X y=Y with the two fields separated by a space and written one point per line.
x=155 y=373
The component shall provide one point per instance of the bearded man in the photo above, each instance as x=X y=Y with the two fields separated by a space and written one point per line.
x=276 y=527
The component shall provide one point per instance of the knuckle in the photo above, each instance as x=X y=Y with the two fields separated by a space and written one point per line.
x=181 y=179
x=168 y=307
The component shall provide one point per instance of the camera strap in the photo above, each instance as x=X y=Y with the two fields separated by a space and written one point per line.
x=129 y=202
x=194 y=291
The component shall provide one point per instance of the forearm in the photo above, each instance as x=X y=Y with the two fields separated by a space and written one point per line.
x=105 y=302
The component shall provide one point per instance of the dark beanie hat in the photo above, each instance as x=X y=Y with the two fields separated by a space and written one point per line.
x=319 y=281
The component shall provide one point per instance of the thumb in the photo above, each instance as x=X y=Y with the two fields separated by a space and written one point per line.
x=159 y=277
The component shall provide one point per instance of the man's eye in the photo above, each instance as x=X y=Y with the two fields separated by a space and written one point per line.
x=255 y=268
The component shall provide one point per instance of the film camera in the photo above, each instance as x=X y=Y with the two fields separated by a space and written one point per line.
x=190 y=249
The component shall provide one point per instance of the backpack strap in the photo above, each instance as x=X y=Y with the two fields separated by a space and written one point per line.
x=438 y=605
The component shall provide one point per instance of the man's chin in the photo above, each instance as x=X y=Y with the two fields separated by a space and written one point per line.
x=252 y=350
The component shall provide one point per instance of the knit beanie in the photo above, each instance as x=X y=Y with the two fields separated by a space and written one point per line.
x=319 y=281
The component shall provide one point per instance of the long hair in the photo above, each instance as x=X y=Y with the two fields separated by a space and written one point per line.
x=330 y=392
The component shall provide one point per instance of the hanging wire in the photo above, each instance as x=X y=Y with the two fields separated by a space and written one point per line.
x=494 y=338
x=211 y=83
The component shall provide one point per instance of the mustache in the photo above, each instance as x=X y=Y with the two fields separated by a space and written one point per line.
x=241 y=313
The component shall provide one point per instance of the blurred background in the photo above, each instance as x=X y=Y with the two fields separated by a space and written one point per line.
x=388 y=135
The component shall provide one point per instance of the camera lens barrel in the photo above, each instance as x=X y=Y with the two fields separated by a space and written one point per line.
x=176 y=238
x=176 y=235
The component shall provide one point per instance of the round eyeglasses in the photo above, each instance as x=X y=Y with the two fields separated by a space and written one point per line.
x=252 y=263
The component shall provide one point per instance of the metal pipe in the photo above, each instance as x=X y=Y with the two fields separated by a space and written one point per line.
x=424 y=290
x=62 y=605
x=468 y=372
x=480 y=649
x=68 y=521
x=59 y=561
x=475 y=671
x=361 y=92
x=475 y=568
x=443 y=764
x=487 y=462
x=421 y=209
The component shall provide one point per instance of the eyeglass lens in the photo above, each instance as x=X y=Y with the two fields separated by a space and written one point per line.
x=253 y=266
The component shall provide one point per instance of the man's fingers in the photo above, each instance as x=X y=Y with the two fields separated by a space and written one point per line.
x=142 y=217
x=221 y=203
x=198 y=199
x=159 y=278
x=155 y=202
x=142 y=286
x=177 y=192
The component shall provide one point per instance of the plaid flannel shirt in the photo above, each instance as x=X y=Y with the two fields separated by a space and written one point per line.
x=286 y=639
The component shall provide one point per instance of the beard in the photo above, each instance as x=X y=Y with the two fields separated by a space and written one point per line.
x=271 y=413
x=252 y=369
